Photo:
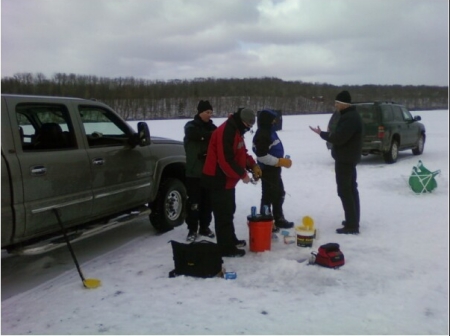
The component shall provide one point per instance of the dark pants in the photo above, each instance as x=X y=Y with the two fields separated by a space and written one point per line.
x=272 y=191
x=224 y=206
x=347 y=190
x=198 y=205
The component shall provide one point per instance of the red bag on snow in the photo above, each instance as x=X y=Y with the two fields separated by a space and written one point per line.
x=329 y=255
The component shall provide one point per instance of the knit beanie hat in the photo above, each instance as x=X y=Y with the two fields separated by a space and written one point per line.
x=344 y=97
x=248 y=116
x=203 y=105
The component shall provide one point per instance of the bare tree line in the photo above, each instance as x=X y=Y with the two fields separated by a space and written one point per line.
x=136 y=98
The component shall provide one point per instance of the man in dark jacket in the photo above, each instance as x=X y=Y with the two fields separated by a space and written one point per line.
x=227 y=162
x=197 y=134
x=346 y=151
x=270 y=155
x=332 y=125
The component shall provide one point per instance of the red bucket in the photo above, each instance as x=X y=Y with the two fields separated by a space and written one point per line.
x=260 y=232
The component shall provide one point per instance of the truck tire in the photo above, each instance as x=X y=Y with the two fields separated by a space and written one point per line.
x=420 y=145
x=391 y=156
x=168 y=210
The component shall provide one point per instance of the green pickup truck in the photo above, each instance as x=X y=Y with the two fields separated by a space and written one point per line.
x=388 y=129
x=81 y=158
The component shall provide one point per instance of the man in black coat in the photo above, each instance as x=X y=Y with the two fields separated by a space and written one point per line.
x=197 y=134
x=346 y=152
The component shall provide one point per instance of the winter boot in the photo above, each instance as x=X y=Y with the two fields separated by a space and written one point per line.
x=241 y=243
x=282 y=223
x=207 y=233
x=347 y=230
x=192 y=235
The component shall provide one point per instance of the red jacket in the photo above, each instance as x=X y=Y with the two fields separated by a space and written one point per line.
x=227 y=158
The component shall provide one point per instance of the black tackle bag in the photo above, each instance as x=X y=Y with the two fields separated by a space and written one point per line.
x=198 y=259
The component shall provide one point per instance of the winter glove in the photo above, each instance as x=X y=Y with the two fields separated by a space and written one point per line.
x=284 y=163
x=257 y=172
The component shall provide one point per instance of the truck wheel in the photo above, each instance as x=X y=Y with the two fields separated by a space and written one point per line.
x=392 y=155
x=168 y=210
x=420 y=145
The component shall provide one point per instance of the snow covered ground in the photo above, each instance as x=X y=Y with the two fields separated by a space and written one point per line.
x=394 y=281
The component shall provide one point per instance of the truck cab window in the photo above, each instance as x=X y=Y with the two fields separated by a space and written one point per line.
x=387 y=113
x=44 y=127
x=398 y=114
x=101 y=128
x=406 y=114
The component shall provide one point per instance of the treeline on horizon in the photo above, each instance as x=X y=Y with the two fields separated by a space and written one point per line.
x=135 y=98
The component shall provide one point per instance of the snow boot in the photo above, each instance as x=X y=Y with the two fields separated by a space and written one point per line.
x=282 y=223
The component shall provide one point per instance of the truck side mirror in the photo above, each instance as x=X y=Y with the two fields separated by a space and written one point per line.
x=143 y=134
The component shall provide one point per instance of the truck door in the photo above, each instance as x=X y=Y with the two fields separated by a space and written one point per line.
x=121 y=173
x=402 y=125
x=412 y=129
x=7 y=206
x=54 y=168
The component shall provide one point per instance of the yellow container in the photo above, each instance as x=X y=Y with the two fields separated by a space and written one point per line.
x=305 y=233
x=308 y=223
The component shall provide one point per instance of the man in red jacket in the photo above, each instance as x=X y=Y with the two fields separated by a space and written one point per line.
x=227 y=162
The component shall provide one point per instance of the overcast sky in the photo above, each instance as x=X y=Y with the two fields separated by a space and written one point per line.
x=338 y=42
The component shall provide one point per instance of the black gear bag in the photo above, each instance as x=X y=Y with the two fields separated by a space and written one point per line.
x=198 y=259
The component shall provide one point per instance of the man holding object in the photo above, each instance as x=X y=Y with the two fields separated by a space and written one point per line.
x=346 y=152
x=227 y=163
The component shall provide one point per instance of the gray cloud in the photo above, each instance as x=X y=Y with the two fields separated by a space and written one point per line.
x=328 y=41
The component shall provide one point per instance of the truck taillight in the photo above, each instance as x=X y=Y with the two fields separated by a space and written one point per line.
x=380 y=132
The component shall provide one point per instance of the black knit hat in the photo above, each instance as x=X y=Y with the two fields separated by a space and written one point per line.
x=203 y=105
x=344 y=97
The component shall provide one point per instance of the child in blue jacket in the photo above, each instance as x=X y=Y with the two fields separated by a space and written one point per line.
x=270 y=157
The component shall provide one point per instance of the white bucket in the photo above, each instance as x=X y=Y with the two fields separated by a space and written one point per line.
x=305 y=237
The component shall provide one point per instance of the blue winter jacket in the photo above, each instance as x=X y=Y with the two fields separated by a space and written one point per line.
x=267 y=146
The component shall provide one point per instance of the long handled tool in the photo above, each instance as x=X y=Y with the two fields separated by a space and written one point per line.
x=88 y=283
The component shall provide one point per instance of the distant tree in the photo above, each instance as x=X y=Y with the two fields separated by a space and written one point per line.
x=141 y=98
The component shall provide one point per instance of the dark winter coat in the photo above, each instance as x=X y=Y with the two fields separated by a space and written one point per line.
x=332 y=125
x=266 y=144
x=227 y=158
x=347 y=137
x=197 y=134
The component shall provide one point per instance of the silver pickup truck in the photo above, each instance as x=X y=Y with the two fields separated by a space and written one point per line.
x=81 y=158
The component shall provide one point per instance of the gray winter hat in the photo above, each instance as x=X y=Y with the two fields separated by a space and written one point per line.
x=248 y=116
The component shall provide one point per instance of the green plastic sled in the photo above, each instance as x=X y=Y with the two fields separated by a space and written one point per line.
x=422 y=180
